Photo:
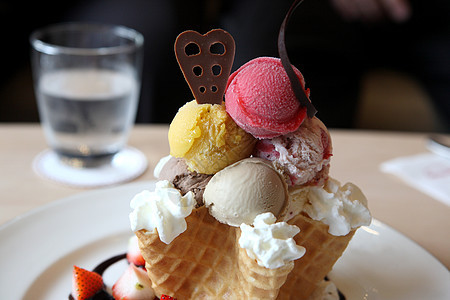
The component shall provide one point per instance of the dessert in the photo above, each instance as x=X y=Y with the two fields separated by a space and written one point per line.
x=270 y=223
x=244 y=207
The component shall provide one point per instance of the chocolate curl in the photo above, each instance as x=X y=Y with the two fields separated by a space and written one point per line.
x=206 y=62
x=295 y=82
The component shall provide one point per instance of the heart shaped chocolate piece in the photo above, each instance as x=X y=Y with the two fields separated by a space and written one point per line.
x=206 y=62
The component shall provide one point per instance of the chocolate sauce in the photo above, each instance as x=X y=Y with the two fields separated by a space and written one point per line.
x=341 y=296
x=101 y=268
x=101 y=295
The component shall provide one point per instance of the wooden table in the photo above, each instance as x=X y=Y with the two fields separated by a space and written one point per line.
x=357 y=157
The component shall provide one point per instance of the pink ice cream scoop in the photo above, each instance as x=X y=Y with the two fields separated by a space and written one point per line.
x=261 y=101
x=302 y=156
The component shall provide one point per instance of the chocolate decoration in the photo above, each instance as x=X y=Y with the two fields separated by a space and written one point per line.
x=295 y=82
x=206 y=62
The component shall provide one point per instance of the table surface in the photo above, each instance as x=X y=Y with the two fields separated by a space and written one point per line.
x=357 y=157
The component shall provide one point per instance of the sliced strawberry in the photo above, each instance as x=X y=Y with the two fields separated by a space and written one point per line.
x=85 y=284
x=166 y=297
x=134 y=284
x=134 y=255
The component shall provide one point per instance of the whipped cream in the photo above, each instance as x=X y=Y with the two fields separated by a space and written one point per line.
x=164 y=210
x=270 y=243
x=342 y=208
x=160 y=165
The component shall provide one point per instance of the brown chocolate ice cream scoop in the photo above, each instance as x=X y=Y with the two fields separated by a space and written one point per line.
x=176 y=171
x=206 y=62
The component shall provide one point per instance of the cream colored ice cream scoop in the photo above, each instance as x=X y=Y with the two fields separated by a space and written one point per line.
x=243 y=190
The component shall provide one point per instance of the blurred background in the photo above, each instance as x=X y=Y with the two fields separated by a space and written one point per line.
x=370 y=64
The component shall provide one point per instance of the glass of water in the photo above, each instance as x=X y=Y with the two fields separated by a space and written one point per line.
x=87 y=83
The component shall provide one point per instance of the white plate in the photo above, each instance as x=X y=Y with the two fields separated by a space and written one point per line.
x=37 y=252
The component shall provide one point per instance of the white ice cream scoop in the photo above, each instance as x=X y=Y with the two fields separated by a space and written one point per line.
x=241 y=191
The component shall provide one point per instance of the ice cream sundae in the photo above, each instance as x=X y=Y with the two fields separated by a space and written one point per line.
x=244 y=207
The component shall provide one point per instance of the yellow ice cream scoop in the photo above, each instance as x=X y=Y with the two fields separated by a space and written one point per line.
x=207 y=138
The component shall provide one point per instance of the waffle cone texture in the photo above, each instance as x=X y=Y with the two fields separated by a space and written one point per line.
x=322 y=252
x=206 y=262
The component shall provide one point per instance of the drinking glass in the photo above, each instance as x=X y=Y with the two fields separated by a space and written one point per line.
x=87 y=82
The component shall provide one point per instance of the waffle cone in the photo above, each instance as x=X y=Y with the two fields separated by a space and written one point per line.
x=322 y=251
x=258 y=282
x=206 y=262
x=198 y=264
